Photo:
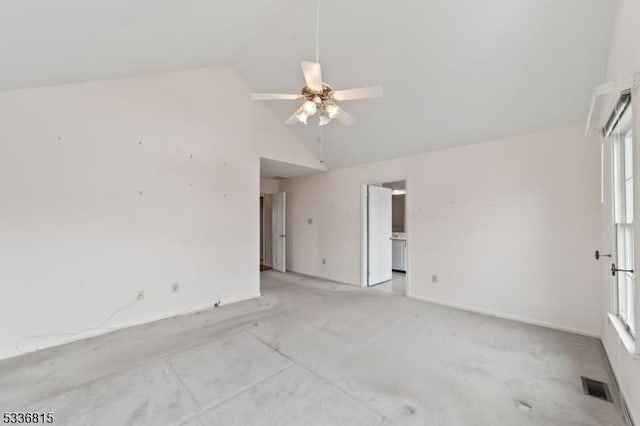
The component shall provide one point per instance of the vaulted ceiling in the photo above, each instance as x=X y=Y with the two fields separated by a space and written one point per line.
x=454 y=72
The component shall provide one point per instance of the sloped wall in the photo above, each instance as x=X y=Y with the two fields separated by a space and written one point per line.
x=111 y=188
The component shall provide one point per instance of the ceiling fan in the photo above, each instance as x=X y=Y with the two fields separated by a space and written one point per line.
x=318 y=97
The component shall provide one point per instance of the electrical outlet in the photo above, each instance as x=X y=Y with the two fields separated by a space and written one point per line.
x=140 y=295
x=310 y=221
x=175 y=287
x=434 y=278
x=324 y=261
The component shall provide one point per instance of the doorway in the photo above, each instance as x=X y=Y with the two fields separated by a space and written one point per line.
x=385 y=251
x=274 y=235
x=265 y=231
x=272 y=232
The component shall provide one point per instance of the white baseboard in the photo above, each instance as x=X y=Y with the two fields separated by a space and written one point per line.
x=100 y=332
x=316 y=277
x=478 y=310
x=508 y=317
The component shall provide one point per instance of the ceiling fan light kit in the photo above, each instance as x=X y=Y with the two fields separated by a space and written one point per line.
x=319 y=98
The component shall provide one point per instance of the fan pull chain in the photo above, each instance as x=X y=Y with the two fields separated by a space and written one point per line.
x=321 y=145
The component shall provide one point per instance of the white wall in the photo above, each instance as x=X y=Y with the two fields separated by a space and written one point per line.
x=508 y=226
x=269 y=186
x=107 y=188
x=624 y=62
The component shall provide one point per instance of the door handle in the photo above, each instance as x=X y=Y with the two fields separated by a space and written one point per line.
x=283 y=235
x=614 y=270
x=598 y=255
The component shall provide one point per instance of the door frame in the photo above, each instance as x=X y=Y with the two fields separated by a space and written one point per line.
x=263 y=247
x=283 y=237
x=364 y=231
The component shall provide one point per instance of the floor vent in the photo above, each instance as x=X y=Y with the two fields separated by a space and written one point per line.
x=596 y=389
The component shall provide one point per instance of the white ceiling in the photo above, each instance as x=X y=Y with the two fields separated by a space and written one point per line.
x=45 y=42
x=395 y=185
x=454 y=72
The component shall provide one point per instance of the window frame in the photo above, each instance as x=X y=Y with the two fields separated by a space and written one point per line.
x=623 y=166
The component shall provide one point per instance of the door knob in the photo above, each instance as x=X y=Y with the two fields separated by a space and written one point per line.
x=598 y=255
x=614 y=270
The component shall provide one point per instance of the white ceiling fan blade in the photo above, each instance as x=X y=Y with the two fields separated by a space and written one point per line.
x=294 y=117
x=360 y=93
x=273 y=97
x=312 y=75
x=344 y=117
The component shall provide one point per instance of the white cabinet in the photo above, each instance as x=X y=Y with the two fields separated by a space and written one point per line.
x=399 y=255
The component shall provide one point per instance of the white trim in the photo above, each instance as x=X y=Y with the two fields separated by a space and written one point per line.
x=615 y=87
x=318 y=277
x=507 y=317
x=624 y=336
x=262 y=229
x=602 y=172
x=363 y=235
x=103 y=331
x=613 y=244
x=407 y=229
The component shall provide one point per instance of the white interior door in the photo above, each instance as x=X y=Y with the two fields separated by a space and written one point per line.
x=379 y=234
x=279 y=232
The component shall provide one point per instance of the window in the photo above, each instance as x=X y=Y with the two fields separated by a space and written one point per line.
x=623 y=204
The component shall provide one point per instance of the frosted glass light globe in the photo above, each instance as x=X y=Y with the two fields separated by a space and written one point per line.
x=309 y=108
